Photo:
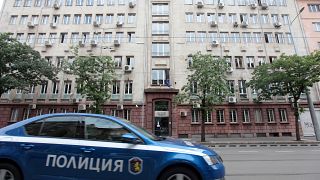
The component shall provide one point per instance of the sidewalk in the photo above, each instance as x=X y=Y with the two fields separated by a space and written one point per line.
x=258 y=141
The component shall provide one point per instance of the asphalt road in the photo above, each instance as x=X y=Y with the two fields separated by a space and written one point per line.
x=271 y=163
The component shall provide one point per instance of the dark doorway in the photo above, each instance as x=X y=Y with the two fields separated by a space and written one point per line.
x=161 y=118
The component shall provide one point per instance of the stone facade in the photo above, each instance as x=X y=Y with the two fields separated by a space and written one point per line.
x=152 y=41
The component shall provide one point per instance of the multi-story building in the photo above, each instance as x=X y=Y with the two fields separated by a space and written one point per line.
x=152 y=42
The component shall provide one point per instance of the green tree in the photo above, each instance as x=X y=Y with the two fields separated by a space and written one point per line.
x=94 y=77
x=206 y=85
x=21 y=66
x=288 y=75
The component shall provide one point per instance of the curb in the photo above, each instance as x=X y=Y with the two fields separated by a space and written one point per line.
x=263 y=144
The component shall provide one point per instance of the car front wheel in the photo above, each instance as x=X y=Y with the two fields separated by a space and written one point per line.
x=9 y=172
x=179 y=173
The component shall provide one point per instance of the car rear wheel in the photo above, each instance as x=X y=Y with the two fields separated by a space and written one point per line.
x=179 y=173
x=9 y=172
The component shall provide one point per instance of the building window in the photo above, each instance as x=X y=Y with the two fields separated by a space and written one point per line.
x=77 y=19
x=246 y=37
x=109 y=18
x=67 y=87
x=250 y=62
x=268 y=38
x=128 y=87
x=195 y=116
x=209 y=117
x=224 y=37
x=89 y=2
x=279 y=38
x=66 y=19
x=289 y=38
x=238 y=61
x=314 y=7
x=211 y=17
x=160 y=28
x=17 y=3
x=160 y=49
x=188 y=2
x=118 y=61
x=52 y=37
x=44 y=19
x=55 y=87
x=52 y=111
x=14 y=115
x=26 y=113
x=44 y=86
x=13 y=20
x=235 y=37
x=119 y=36
x=254 y=19
x=68 y=2
x=256 y=37
x=271 y=118
x=127 y=114
x=63 y=37
x=261 y=60
x=233 y=116
x=283 y=115
x=231 y=86
x=242 y=88
x=116 y=88
x=87 y=19
x=120 y=18
x=285 y=19
x=213 y=36
x=246 y=116
x=27 y=3
x=23 y=20
x=110 y=2
x=189 y=17
x=131 y=18
x=258 y=115
x=190 y=36
x=221 y=17
x=131 y=37
x=200 y=18
x=264 y=19
x=160 y=9
x=201 y=36
x=316 y=26
x=39 y=112
x=220 y=116
x=160 y=77
x=79 y=2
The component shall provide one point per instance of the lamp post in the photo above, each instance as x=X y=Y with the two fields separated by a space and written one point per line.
x=310 y=103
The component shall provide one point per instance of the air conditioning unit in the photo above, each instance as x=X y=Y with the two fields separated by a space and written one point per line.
x=128 y=68
x=119 y=23
x=196 y=105
x=215 y=43
x=119 y=106
x=48 y=43
x=81 y=43
x=232 y=99
x=277 y=24
x=93 y=43
x=82 y=107
x=213 y=23
x=96 y=24
x=53 y=25
x=244 y=24
x=56 y=5
x=116 y=42
x=264 y=6
x=253 y=6
x=183 y=113
x=235 y=24
x=32 y=106
x=200 y=4
x=132 y=4
x=221 y=5
x=30 y=24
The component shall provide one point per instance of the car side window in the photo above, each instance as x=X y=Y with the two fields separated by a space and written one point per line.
x=99 y=129
x=58 y=127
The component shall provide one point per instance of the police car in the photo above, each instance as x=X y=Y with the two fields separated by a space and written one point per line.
x=91 y=147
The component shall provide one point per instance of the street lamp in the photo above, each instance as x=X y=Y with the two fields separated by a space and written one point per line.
x=310 y=103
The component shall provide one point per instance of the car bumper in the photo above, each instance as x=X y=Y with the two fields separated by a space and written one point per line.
x=215 y=172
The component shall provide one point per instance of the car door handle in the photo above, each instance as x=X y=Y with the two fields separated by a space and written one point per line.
x=87 y=150
x=27 y=146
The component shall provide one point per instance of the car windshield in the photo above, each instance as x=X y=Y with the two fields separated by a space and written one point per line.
x=143 y=131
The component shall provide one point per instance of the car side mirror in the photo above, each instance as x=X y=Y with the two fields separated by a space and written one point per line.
x=130 y=138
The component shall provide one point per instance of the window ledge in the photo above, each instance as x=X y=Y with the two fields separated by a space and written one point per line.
x=272 y=123
x=221 y=123
x=284 y=123
x=195 y=123
x=247 y=123
x=234 y=123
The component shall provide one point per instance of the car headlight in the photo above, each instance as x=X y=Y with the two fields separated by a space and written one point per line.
x=211 y=160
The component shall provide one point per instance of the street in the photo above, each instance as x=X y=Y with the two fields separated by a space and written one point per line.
x=276 y=163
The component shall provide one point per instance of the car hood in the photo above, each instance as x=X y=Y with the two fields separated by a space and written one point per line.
x=184 y=144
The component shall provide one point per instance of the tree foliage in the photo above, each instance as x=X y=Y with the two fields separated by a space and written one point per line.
x=94 y=77
x=21 y=66
x=288 y=75
x=206 y=84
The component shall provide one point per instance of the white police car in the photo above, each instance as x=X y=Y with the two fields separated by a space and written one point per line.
x=91 y=147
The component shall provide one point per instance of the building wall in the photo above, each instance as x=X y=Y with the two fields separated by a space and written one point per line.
x=150 y=84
